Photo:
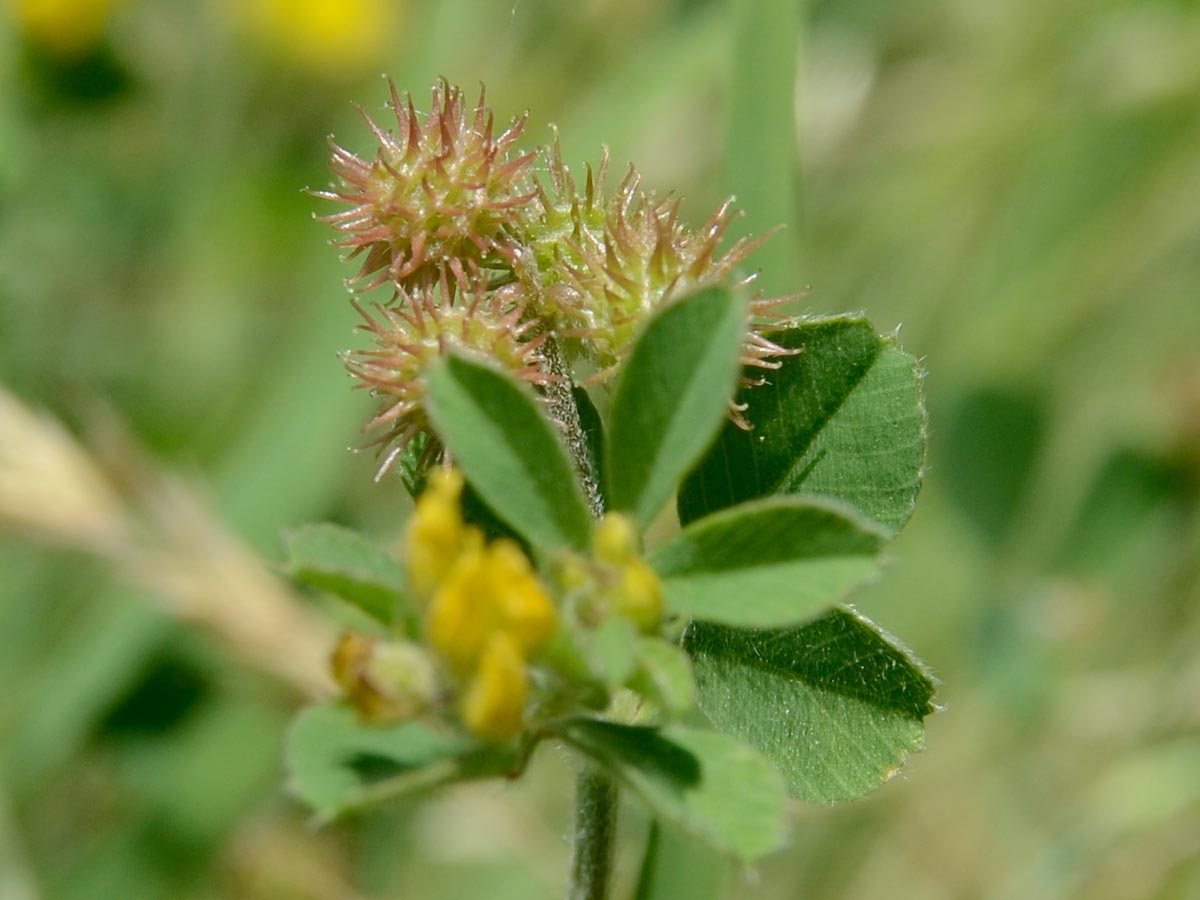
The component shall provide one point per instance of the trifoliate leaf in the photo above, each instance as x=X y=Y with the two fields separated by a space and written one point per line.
x=670 y=398
x=509 y=450
x=771 y=562
x=842 y=418
x=836 y=704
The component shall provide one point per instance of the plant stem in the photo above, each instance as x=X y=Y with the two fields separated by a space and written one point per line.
x=566 y=413
x=594 y=836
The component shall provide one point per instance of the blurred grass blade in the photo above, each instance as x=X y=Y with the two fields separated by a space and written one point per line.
x=674 y=867
x=761 y=163
x=988 y=453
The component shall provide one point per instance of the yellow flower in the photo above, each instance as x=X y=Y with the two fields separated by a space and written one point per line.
x=638 y=595
x=527 y=613
x=491 y=589
x=463 y=614
x=487 y=612
x=329 y=36
x=436 y=533
x=633 y=587
x=615 y=539
x=67 y=28
x=494 y=702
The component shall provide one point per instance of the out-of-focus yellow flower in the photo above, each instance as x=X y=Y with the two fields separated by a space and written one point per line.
x=436 y=534
x=494 y=702
x=330 y=36
x=486 y=610
x=67 y=28
x=463 y=614
x=629 y=586
x=638 y=595
x=527 y=612
x=491 y=589
x=615 y=539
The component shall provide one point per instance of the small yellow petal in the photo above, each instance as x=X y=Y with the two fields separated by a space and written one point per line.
x=527 y=612
x=494 y=704
x=615 y=539
x=638 y=595
x=435 y=534
x=463 y=614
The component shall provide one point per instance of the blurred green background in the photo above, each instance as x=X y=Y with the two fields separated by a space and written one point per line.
x=1016 y=183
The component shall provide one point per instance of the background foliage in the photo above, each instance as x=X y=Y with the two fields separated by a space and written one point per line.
x=1013 y=182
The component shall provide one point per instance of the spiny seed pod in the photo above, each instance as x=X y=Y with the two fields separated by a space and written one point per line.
x=423 y=326
x=605 y=264
x=439 y=192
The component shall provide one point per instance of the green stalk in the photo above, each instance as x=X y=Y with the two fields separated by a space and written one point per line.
x=566 y=414
x=594 y=836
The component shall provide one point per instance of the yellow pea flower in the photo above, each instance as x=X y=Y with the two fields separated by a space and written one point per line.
x=633 y=587
x=615 y=539
x=490 y=589
x=463 y=614
x=436 y=535
x=527 y=613
x=638 y=595
x=494 y=703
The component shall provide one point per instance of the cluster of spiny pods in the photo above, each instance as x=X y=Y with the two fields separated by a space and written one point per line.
x=490 y=250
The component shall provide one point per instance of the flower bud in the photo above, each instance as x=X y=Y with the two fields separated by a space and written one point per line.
x=638 y=595
x=384 y=681
x=615 y=539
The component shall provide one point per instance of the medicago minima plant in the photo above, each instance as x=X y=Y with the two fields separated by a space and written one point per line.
x=555 y=361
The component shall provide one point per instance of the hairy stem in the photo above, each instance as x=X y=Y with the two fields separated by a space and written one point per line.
x=594 y=835
x=566 y=413
x=593 y=840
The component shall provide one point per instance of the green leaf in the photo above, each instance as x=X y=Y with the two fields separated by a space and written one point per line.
x=336 y=763
x=768 y=563
x=842 y=418
x=836 y=704
x=671 y=396
x=509 y=450
x=344 y=563
x=710 y=785
x=664 y=675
